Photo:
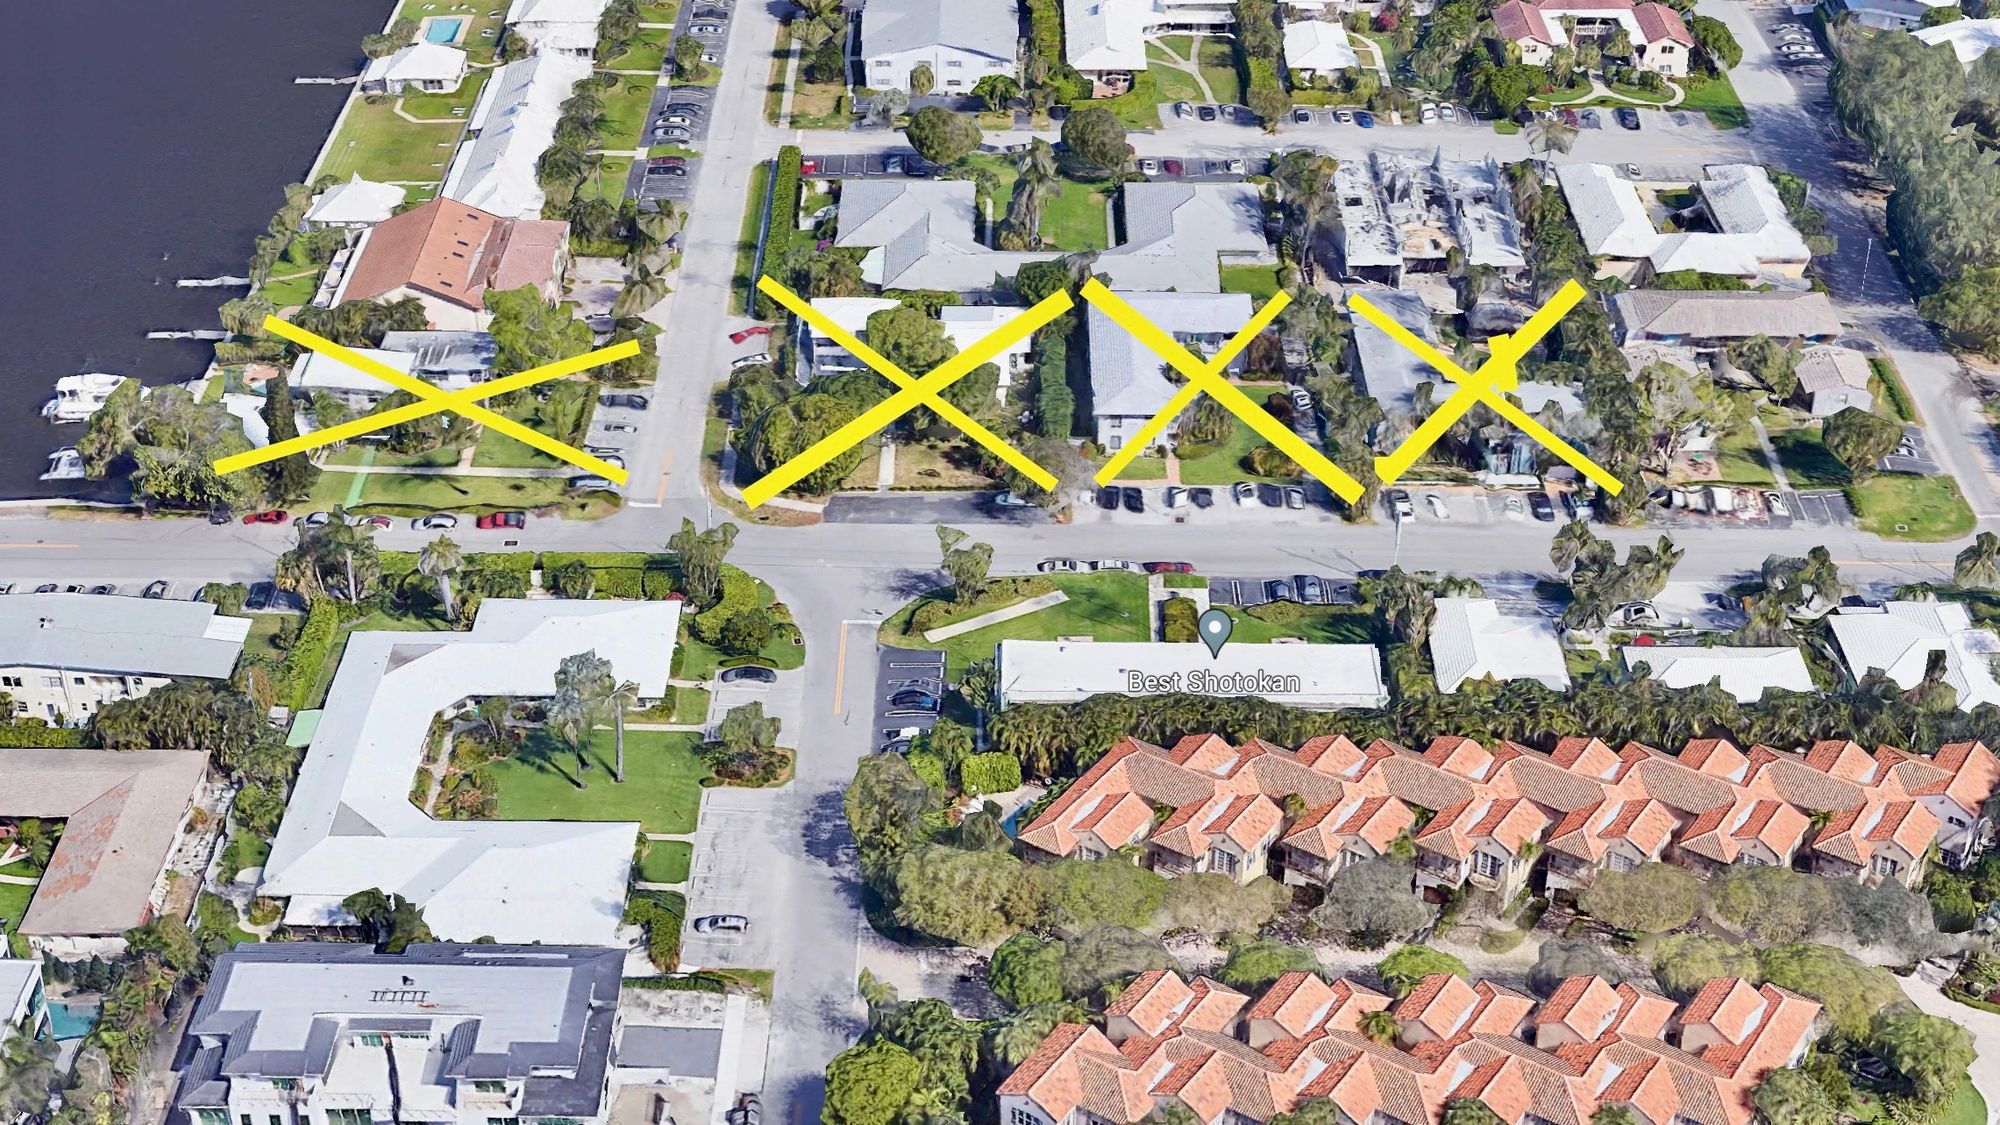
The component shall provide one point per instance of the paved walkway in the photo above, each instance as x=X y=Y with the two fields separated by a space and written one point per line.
x=444 y=471
x=408 y=116
x=1770 y=454
x=1600 y=90
x=1985 y=1029
x=1190 y=67
x=19 y=880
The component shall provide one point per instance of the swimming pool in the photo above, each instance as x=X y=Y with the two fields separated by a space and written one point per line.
x=443 y=29
x=71 y=1021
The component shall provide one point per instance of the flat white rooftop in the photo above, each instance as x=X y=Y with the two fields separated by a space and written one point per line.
x=1318 y=677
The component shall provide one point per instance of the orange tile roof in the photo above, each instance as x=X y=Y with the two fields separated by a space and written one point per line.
x=455 y=252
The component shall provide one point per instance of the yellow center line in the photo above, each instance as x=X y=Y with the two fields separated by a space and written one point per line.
x=840 y=669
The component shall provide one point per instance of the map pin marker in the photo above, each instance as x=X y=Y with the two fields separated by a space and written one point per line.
x=1215 y=625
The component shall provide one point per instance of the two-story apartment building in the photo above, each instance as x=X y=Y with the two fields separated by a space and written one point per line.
x=64 y=656
x=958 y=41
x=1216 y=1053
x=335 y=1034
x=1492 y=819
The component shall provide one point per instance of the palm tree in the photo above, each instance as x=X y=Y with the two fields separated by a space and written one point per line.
x=1379 y=1026
x=441 y=560
x=622 y=695
x=1546 y=136
x=570 y=718
x=644 y=289
x=1979 y=564
x=1571 y=543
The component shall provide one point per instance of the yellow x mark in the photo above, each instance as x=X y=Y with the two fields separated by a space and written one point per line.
x=432 y=401
x=924 y=391
x=1207 y=378
x=1500 y=370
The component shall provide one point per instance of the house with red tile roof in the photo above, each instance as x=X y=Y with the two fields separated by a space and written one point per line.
x=1485 y=841
x=449 y=255
x=1590 y=1044
x=1660 y=40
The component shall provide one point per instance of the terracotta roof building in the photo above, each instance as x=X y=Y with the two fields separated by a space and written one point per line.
x=1204 y=804
x=448 y=255
x=1590 y=1044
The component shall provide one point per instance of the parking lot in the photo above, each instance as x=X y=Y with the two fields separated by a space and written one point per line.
x=1306 y=589
x=735 y=853
x=1912 y=456
x=613 y=428
x=901 y=676
x=679 y=115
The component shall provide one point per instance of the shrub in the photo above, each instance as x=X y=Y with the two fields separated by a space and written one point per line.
x=307 y=653
x=228 y=597
x=739 y=595
x=1179 y=621
x=661 y=913
x=989 y=773
x=34 y=734
x=747 y=632
x=928 y=766
x=621 y=583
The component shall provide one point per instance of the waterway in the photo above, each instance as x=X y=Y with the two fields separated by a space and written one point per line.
x=142 y=142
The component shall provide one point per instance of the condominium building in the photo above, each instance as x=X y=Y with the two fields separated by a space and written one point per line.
x=64 y=656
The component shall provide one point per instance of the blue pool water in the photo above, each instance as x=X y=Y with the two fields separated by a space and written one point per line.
x=442 y=30
x=71 y=1021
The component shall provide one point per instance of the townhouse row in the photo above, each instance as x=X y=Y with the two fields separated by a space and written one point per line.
x=1489 y=818
x=1590 y=1044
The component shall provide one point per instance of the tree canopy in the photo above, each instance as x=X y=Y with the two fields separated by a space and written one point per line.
x=942 y=136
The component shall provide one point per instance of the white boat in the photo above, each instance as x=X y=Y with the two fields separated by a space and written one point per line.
x=79 y=396
x=64 y=464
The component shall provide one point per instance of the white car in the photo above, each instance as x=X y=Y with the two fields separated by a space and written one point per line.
x=1446 y=113
x=1236 y=166
x=1797 y=49
x=1776 y=504
x=1057 y=566
x=1115 y=564
x=1437 y=506
x=317 y=519
x=436 y=522
x=1429 y=113
x=1515 y=510
x=1243 y=492
x=1149 y=167
x=763 y=358
x=1630 y=171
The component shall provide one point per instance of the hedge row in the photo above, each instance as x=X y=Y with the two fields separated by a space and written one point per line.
x=996 y=772
x=1178 y=620
x=784 y=205
x=639 y=559
x=308 y=652
x=39 y=736
x=693 y=982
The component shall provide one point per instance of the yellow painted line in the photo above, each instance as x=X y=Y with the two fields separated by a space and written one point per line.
x=1206 y=378
x=465 y=402
x=924 y=391
x=1501 y=371
x=840 y=670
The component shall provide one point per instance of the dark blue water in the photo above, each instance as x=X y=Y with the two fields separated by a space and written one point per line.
x=142 y=142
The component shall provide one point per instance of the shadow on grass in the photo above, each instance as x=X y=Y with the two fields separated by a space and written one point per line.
x=543 y=753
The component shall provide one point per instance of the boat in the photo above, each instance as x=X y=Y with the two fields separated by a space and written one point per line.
x=79 y=396
x=65 y=464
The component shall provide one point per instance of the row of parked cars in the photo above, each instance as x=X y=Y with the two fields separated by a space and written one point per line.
x=1091 y=566
x=1245 y=494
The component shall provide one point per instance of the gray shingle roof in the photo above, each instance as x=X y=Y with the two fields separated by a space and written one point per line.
x=1708 y=315
x=987 y=27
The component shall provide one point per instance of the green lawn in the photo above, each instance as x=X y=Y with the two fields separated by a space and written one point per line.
x=498 y=451
x=1717 y=98
x=1218 y=66
x=447 y=105
x=1109 y=605
x=1175 y=85
x=14 y=904
x=666 y=861
x=1968 y=1108
x=1147 y=467
x=1075 y=218
x=1261 y=282
x=700 y=661
x=357 y=453
x=607 y=180
x=659 y=13
x=662 y=788
x=1316 y=624
x=625 y=113
x=746 y=244
x=1900 y=506
x=1804 y=457
x=291 y=291
x=381 y=146
x=1741 y=459
x=1137 y=108
x=414 y=495
x=647 y=51
x=1229 y=463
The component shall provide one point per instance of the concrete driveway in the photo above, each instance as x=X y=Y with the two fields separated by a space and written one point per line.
x=1985 y=1029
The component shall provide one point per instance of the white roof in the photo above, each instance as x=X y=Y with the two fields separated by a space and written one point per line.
x=350 y=824
x=852 y=313
x=1969 y=38
x=1106 y=34
x=1472 y=640
x=1742 y=672
x=317 y=371
x=356 y=201
x=1829 y=367
x=1753 y=228
x=119 y=635
x=1125 y=375
x=1318 y=45
x=560 y=25
x=1319 y=677
x=986 y=27
x=18 y=981
x=418 y=62
x=512 y=124
x=1175 y=233
x=1899 y=638
x=966 y=325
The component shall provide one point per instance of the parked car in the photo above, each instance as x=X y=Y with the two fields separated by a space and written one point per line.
x=620 y=428
x=1542 y=506
x=667 y=172
x=157 y=589
x=893 y=166
x=1167 y=568
x=673 y=119
x=914 y=701
x=258 y=599
x=754 y=330
x=494 y=521
x=1134 y=499
x=1630 y=171
x=1174 y=496
x=1270 y=496
x=50 y=588
x=1295 y=497
x=629 y=402
x=1107 y=498
x=1571 y=119
x=721 y=924
x=1149 y=167
x=1776 y=504
x=1309 y=586
x=1172 y=167
x=1447 y=114
x=748 y=674
x=1302 y=117
x=1590 y=119
x=1056 y=566
x=754 y=359
x=273 y=516
x=1436 y=504
x=1568 y=501
x=1243 y=492
x=1514 y=508
x=380 y=523
x=1627 y=116
x=1428 y=113
x=103 y=589
x=1400 y=506
x=671 y=133
x=316 y=519
x=591 y=483
x=706 y=29
x=1279 y=590
x=1235 y=166
x=1364 y=119
x=1012 y=500
x=436 y=521
x=1183 y=109
x=1201 y=497
x=1343 y=117
x=1205 y=112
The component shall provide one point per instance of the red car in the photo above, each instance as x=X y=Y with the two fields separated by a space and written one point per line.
x=808 y=166
x=1173 y=167
x=495 y=520
x=1169 y=568
x=739 y=337
x=266 y=517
